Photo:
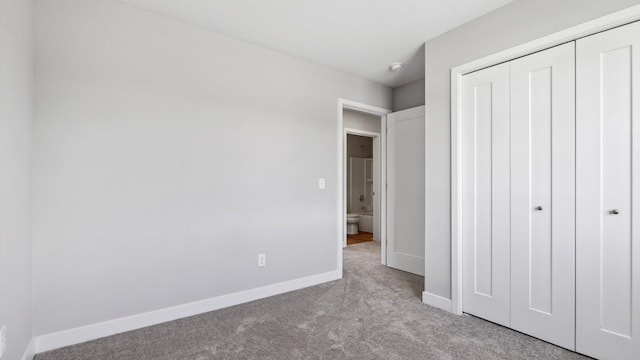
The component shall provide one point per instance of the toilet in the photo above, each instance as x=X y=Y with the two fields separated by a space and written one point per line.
x=352 y=223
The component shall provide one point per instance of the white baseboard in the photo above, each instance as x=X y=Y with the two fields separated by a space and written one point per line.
x=95 y=331
x=436 y=301
x=30 y=352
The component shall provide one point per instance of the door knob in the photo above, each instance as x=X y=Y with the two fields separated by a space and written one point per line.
x=538 y=208
x=614 y=212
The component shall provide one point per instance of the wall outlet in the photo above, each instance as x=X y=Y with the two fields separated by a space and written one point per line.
x=322 y=184
x=3 y=340
x=262 y=260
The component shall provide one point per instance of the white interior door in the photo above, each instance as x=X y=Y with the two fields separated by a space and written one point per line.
x=608 y=203
x=543 y=195
x=376 y=188
x=485 y=193
x=405 y=190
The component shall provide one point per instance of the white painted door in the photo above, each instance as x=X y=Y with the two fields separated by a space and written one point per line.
x=608 y=190
x=376 y=188
x=543 y=195
x=405 y=192
x=485 y=193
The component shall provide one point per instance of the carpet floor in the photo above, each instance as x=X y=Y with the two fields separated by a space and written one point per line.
x=372 y=313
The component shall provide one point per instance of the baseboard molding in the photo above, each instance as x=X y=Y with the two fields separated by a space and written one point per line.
x=30 y=352
x=436 y=301
x=82 y=334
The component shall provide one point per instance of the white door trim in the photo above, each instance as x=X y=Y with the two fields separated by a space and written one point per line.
x=360 y=132
x=604 y=23
x=342 y=170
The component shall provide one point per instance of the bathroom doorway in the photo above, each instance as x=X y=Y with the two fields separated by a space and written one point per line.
x=364 y=124
x=363 y=182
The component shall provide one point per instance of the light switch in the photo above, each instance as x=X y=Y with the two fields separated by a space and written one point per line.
x=3 y=340
x=322 y=184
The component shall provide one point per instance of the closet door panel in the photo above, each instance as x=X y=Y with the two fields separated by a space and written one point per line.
x=485 y=132
x=542 y=195
x=608 y=155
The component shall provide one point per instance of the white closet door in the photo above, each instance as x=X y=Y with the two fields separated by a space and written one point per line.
x=405 y=190
x=543 y=195
x=485 y=177
x=608 y=190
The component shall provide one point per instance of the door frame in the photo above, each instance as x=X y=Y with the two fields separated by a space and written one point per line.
x=342 y=170
x=574 y=33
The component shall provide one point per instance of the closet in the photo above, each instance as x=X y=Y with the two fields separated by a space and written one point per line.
x=549 y=184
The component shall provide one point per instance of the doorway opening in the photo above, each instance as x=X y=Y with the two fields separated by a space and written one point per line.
x=363 y=182
x=361 y=196
x=399 y=140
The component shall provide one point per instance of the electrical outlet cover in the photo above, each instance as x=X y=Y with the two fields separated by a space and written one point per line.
x=262 y=260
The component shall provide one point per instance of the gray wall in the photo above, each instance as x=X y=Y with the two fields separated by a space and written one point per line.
x=167 y=157
x=361 y=121
x=16 y=106
x=409 y=95
x=511 y=25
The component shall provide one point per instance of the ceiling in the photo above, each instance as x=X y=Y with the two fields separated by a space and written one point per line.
x=360 y=37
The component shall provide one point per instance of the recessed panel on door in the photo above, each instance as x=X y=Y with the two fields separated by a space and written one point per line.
x=405 y=191
x=608 y=175
x=542 y=195
x=485 y=186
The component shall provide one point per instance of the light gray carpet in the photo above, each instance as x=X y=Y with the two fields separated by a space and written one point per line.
x=372 y=313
